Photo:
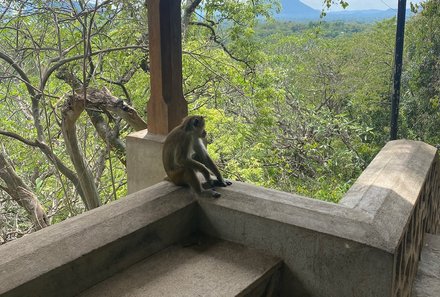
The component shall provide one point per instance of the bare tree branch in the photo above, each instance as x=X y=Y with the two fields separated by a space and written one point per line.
x=60 y=63
x=69 y=174
x=215 y=38
x=31 y=90
x=188 y=10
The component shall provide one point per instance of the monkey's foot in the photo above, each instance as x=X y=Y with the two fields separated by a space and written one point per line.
x=210 y=193
x=215 y=194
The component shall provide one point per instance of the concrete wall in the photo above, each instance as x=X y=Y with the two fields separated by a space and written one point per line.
x=368 y=245
x=400 y=191
x=312 y=237
x=66 y=258
x=362 y=247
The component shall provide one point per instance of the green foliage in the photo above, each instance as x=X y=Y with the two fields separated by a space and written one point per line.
x=38 y=35
x=323 y=29
x=308 y=118
x=297 y=107
x=421 y=78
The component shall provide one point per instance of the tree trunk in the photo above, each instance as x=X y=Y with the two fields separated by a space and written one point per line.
x=70 y=113
x=20 y=193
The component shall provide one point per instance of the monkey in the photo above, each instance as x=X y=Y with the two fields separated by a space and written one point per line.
x=184 y=154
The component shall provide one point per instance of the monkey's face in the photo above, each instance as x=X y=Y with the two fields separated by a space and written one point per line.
x=198 y=124
x=195 y=124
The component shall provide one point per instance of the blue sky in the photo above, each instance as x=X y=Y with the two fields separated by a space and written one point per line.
x=361 y=4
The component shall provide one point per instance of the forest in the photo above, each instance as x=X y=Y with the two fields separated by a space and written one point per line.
x=298 y=107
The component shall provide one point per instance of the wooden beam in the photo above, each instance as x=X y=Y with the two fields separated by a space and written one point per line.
x=167 y=106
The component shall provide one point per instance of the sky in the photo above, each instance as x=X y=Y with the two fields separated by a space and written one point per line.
x=361 y=4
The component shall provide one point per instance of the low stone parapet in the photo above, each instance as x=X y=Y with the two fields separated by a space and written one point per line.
x=66 y=258
x=368 y=245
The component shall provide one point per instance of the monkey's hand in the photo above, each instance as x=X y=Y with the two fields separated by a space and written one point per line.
x=216 y=183
x=221 y=183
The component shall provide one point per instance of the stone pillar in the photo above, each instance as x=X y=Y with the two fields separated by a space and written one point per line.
x=144 y=160
x=166 y=107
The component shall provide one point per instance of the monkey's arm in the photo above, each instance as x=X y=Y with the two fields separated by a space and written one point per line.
x=197 y=166
x=203 y=157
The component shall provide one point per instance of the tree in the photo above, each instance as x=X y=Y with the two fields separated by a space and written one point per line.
x=309 y=116
x=302 y=112
x=421 y=76
x=74 y=74
x=55 y=57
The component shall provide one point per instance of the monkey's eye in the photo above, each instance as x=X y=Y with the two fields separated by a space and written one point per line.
x=196 y=122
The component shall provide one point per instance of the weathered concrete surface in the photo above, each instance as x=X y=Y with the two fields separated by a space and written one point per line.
x=212 y=269
x=363 y=247
x=323 y=245
x=427 y=282
x=144 y=160
x=389 y=187
x=334 y=250
x=400 y=191
x=68 y=257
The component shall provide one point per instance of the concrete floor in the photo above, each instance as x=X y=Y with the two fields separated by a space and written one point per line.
x=208 y=269
x=427 y=283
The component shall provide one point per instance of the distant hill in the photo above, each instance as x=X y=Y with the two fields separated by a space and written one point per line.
x=371 y=15
x=295 y=10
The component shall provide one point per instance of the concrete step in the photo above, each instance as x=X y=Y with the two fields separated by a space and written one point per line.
x=211 y=268
x=427 y=283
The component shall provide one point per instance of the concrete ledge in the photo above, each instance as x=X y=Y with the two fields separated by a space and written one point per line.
x=388 y=189
x=366 y=246
x=68 y=257
x=316 y=215
x=328 y=249
x=400 y=190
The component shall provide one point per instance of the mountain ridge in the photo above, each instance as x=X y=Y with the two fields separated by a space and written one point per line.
x=295 y=10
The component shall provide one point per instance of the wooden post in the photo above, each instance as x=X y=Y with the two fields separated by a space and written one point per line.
x=166 y=107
